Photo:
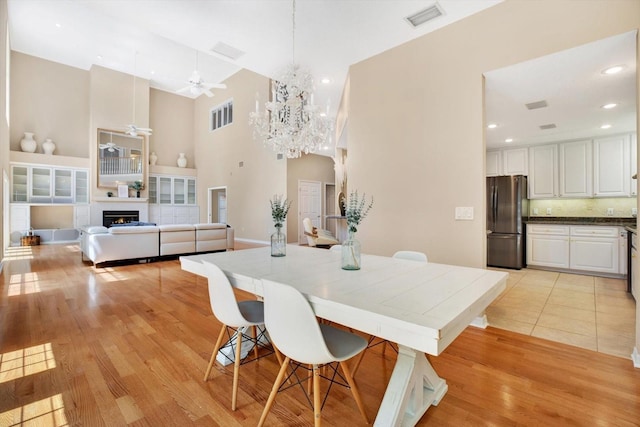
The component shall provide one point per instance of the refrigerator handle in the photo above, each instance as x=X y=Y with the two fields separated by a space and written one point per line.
x=495 y=203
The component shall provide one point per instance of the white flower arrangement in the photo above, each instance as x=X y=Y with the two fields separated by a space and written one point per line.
x=356 y=210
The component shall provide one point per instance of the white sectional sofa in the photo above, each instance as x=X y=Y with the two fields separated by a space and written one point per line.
x=146 y=242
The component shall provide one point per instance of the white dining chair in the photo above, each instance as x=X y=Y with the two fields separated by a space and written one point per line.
x=294 y=329
x=411 y=255
x=235 y=315
x=336 y=248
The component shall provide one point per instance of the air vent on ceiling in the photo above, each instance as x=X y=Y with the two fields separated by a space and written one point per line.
x=536 y=105
x=549 y=126
x=227 y=51
x=425 y=15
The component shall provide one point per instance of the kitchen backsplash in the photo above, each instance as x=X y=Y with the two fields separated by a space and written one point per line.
x=622 y=207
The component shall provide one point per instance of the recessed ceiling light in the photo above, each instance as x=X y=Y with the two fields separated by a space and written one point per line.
x=609 y=106
x=492 y=126
x=153 y=72
x=613 y=70
x=508 y=140
x=99 y=57
x=58 y=25
x=323 y=114
x=605 y=126
x=325 y=81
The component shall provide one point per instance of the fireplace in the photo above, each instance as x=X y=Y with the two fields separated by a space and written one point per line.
x=119 y=217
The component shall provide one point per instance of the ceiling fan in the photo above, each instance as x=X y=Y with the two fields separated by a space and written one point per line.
x=110 y=147
x=134 y=130
x=197 y=86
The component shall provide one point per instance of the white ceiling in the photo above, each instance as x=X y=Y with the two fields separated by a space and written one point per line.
x=330 y=35
x=574 y=87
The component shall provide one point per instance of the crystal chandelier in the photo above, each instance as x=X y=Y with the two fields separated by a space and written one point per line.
x=291 y=124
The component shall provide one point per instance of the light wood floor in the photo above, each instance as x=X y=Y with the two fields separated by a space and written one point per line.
x=128 y=345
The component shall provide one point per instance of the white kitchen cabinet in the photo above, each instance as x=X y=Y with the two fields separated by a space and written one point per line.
x=494 y=163
x=19 y=184
x=515 y=161
x=611 y=166
x=594 y=248
x=42 y=184
x=622 y=250
x=172 y=190
x=81 y=216
x=543 y=172
x=576 y=169
x=548 y=245
x=162 y=214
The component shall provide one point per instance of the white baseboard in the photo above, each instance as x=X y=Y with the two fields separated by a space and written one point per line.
x=480 y=322
x=635 y=356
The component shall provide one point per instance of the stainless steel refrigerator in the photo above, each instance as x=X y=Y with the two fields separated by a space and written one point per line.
x=507 y=207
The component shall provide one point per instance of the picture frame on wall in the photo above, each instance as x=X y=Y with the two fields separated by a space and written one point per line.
x=123 y=190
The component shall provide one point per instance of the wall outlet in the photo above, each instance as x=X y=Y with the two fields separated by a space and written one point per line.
x=464 y=213
x=634 y=211
x=548 y=211
x=535 y=211
x=609 y=211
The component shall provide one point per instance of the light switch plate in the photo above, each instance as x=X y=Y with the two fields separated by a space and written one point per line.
x=609 y=211
x=464 y=213
x=548 y=211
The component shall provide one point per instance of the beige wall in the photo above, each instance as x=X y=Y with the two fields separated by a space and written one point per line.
x=218 y=154
x=45 y=217
x=51 y=100
x=111 y=107
x=424 y=156
x=311 y=167
x=171 y=118
x=4 y=121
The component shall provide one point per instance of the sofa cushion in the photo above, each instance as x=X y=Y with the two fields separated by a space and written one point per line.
x=176 y=227
x=134 y=230
x=210 y=226
x=95 y=229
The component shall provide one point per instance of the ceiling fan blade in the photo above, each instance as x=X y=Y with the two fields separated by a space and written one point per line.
x=208 y=93
x=219 y=85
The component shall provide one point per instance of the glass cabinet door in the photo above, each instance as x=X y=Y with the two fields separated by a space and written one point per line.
x=19 y=184
x=165 y=190
x=62 y=184
x=82 y=187
x=178 y=191
x=40 y=185
x=191 y=191
x=153 y=190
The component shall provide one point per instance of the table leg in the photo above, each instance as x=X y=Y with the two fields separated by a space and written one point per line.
x=414 y=386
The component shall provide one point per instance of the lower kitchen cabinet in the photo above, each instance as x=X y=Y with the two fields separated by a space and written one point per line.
x=548 y=245
x=580 y=248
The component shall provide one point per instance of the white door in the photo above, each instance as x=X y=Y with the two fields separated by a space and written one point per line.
x=309 y=206
x=222 y=208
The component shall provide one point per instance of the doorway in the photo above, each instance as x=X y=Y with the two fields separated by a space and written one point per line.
x=217 y=205
x=309 y=206
x=330 y=207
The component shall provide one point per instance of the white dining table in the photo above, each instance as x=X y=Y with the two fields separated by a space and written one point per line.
x=420 y=306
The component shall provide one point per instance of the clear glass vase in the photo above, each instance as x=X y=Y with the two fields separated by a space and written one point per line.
x=351 y=253
x=278 y=243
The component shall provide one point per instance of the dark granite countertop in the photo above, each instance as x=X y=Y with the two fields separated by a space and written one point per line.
x=575 y=220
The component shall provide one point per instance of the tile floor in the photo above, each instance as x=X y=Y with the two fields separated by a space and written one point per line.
x=595 y=313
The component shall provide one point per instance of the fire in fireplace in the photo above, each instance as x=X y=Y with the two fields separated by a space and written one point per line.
x=119 y=217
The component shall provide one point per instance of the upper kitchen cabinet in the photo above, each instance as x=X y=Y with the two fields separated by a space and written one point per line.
x=611 y=166
x=507 y=162
x=543 y=172
x=576 y=171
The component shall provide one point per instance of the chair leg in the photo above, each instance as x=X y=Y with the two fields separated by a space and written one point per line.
x=354 y=390
x=274 y=391
x=216 y=347
x=317 y=405
x=310 y=383
x=236 y=369
x=255 y=336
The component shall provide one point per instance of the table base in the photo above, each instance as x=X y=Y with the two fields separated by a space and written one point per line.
x=414 y=386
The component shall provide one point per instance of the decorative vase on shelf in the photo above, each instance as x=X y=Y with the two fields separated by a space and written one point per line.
x=28 y=144
x=48 y=146
x=182 y=161
x=278 y=243
x=153 y=158
x=351 y=253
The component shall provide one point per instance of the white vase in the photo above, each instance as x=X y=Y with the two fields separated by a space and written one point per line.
x=48 y=146
x=28 y=144
x=182 y=161
x=153 y=158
